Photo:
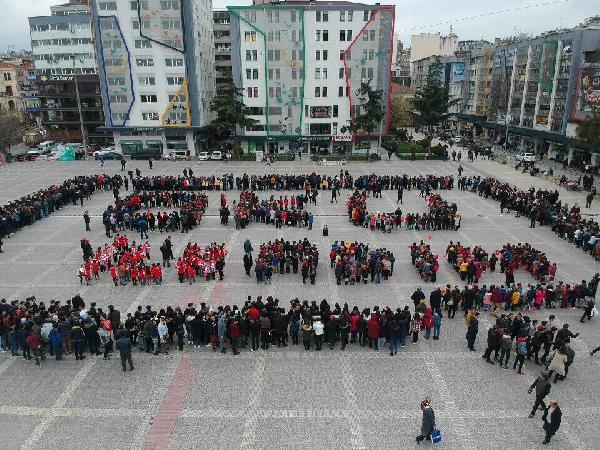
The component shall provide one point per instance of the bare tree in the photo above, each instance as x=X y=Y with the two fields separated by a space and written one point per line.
x=12 y=128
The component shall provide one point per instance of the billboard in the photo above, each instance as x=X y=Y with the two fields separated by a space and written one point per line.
x=458 y=72
x=546 y=74
x=587 y=98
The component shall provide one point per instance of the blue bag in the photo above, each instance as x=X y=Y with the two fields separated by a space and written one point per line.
x=436 y=436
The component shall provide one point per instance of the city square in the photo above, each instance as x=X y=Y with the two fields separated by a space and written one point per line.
x=284 y=224
x=285 y=397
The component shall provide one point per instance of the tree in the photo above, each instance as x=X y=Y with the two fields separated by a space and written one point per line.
x=371 y=111
x=12 y=128
x=231 y=112
x=401 y=114
x=589 y=131
x=432 y=101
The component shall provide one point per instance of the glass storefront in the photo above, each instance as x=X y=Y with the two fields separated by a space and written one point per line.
x=131 y=147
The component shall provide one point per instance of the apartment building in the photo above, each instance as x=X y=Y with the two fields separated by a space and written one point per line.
x=156 y=60
x=300 y=65
x=68 y=87
x=222 y=36
x=539 y=90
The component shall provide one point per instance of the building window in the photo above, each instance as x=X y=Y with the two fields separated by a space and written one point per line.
x=294 y=74
x=318 y=35
x=365 y=16
x=135 y=24
x=144 y=62
x=318 y=55
x=107 y=6
x=341 y=73
x=147 y=81
x=324 y=92
x=350 y=16
x=142 y=43
x=175 y=81
x=349 y=35
x=341 y=91
x=317 y=91
x=275 y=92
x=325 y=16
x=150 y=98
x=171 y=24
x=342 y=16
x=324 y=73
x=149 y=116
x=115 y=81
x=174 y=62
x=325 y=35
x=324 y=55
x=318 y=15
x=169 y=4
x=293 y=15
x=342 y=35
x=250 y=36
x=335 y=111
x=317 y=73
x=133 y=5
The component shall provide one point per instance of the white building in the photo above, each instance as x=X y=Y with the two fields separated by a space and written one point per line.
x=300 y=65
x=156 y=64
x=62 y=43
x=425 y=45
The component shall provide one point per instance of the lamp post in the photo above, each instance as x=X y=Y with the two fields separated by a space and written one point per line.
x=81 y=127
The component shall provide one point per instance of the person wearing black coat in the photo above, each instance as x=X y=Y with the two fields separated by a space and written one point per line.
x=123 y=344
x=435 y=299
x=542 y=389
x=555 y=419
x=330 y=332
x=472 y=332
x=492 y=344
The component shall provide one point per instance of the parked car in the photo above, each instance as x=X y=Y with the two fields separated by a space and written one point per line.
x=147 y=153
x=108 y=155
x=525 y=157
x=203 y=156
x=103 y=150
x=178 y=155
x=216 y=155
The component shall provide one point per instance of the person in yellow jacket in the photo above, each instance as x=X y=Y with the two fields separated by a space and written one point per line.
x=515 y=298
x=462 y=270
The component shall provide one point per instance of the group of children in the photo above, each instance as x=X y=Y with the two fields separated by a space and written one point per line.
x=202 y=262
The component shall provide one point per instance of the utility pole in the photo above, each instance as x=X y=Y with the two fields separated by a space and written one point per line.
x=81 y=127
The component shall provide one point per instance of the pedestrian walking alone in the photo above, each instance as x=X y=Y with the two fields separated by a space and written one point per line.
x=428 y=421
x=123 y=344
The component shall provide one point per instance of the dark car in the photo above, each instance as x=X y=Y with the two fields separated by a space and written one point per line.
x=147 y=153
x=109 y=155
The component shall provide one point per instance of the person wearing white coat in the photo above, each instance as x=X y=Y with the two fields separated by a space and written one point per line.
x=557 y=364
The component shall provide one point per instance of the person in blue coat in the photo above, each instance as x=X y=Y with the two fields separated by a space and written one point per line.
x=56 y=341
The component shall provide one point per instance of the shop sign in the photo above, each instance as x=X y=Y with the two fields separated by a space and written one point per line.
x=342 y=138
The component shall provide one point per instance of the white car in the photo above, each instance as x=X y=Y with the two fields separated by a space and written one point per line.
x=203 y=156
x=178 y=155
x=525 y=157
x=216 y=156
x=103 y=151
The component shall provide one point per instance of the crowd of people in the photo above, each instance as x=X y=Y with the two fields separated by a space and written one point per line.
x=281 y=257
x=202 y=262
x=469 y=263
x=355 y=262
x=523 y=255
x=125 y=262
x=425 y=261
x=34 y=207
x=288 y=211
x=542 y=207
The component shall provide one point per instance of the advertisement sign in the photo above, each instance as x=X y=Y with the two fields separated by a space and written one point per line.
x=342 y=138
x=259 y=155
x=546 y=76
x=542 y=120
x=320 y=112
x=458 y=72
x=588 y=92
